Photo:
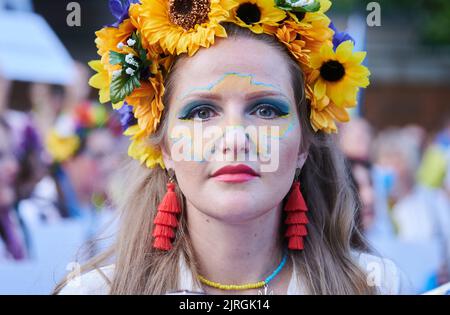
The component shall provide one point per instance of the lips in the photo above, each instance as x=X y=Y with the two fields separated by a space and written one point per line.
x=235 y=173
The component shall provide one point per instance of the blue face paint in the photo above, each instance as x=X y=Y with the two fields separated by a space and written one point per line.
x=281 y=108
x=186 y=113
x=271 y=109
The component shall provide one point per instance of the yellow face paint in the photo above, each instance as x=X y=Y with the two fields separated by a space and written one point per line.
x=234 y=84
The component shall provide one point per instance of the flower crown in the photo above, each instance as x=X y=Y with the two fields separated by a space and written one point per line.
x=138 y=50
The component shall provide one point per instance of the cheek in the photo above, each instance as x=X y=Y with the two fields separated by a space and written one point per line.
x=190 y=174
x=286 y=146
x=280 y=179
x=236 y=202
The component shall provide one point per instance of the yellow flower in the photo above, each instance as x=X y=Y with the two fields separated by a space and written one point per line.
x=61 y=148
x=147 y=105
x=325 y=5
x=304 y=33
x=108 y=38
x=257 y=14
x=147 y=108
x=289 y=37
x=143 y=151
x=181 y=26
x=313 y=27
x=101 y=80
x=338 y=75
x=325 y=113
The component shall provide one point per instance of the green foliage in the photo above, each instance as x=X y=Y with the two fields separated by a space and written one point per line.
x=287 y=5
x=123 y=84
x=430 y=18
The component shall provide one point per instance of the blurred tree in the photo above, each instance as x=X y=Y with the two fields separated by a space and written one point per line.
x=431 y=18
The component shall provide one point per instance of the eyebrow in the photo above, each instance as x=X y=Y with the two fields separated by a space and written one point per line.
x=204 y=95
x=258 y=94
x=248 y=97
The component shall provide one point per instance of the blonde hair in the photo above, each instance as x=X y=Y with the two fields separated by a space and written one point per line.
x=325 y=266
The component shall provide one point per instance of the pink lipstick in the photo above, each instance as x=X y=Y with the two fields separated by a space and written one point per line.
x=235 y=174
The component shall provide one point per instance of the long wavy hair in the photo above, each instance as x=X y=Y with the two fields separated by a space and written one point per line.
x=325 y=266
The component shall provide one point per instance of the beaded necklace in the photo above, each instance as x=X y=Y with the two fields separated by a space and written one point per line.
x=247 y=286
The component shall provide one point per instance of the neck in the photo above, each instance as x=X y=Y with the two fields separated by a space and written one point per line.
x=236 y=253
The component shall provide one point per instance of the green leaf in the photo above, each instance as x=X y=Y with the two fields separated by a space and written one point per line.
x=284 y=5
x=122 y=86
x=116 y=58
x=141 y=51
x=313 y=7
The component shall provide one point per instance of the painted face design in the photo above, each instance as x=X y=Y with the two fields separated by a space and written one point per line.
x=235 y=106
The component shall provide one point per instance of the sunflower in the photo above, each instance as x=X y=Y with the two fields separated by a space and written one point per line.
x=183 y=26
x=325 y=5
x=338 y=75
x=147 y=105
x=314 y=27
x=108 y=39
x=256 y=14
x=144 y=152
x=289 y=37
x=325 y=113
x=101 y=80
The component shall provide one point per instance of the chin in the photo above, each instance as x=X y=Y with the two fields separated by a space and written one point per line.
x=237 y=207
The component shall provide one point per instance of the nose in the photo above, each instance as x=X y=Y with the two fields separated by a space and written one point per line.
x=234 y=144
x=235 y=140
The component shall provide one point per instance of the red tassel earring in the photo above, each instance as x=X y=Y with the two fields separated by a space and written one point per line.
x=296 y=219
x=166 y=219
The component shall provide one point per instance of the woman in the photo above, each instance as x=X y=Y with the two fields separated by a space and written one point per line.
x=12 y=238
x=226 y=232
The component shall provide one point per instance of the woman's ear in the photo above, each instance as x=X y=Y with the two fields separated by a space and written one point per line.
x=167 y=157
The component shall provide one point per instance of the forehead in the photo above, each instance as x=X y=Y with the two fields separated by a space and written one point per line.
x=234 y=66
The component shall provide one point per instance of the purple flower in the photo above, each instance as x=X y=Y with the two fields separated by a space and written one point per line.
x=127 y=118
x=119 y=9
x=339 y=37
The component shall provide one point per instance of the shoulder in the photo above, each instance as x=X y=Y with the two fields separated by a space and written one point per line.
x=94 y=282
x=383 y=274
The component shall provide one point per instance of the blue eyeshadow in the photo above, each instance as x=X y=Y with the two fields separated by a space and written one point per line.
x=282 y=106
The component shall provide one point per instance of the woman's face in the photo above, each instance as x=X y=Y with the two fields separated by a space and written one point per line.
x=233 y=104
x=8 y=170
x=97 y=162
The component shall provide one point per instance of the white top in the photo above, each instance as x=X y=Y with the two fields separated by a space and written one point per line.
x=382 y=273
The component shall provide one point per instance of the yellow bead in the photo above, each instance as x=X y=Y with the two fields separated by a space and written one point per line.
x=216 y=285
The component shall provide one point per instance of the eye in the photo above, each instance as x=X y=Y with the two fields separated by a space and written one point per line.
x=268 y=111
x=200 y=113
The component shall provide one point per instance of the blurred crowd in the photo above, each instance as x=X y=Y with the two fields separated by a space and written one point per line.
x=56 y=161
x=403 y=178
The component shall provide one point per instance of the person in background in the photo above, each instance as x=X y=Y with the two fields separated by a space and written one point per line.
x=361 y=176
x=356 y=142
x=47 y=104
x=419 y=213
x=12 y=239
x=78 y=91
x=356 y=139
